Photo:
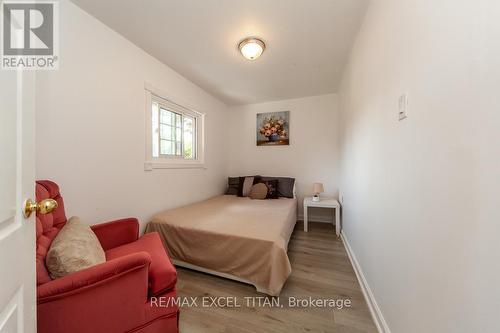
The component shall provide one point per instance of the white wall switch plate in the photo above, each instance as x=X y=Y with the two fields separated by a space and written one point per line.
x=148 y=166
x=403 y=107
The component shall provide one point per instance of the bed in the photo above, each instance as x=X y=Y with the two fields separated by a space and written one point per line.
x=233 y=237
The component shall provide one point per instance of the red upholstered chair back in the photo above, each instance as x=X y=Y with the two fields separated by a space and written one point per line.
x=47 y=226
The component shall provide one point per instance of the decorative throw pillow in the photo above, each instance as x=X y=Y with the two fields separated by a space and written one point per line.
x=285 y=185
x=258 y=191
x=272 y=188
x=232 y=185
x=245 y=184
x=75 y=247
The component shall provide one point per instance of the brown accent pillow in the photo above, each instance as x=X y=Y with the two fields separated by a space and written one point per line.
x=258 y=191
x=75 y=247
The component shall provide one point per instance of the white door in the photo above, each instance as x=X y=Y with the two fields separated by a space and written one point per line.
x=17 y=177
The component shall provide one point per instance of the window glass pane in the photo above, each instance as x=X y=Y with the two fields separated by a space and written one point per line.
x=166 y=147
x=188 y=137
x=178 y=134
x=178 y=150
x=154 y=129
x=178 y=122
x=188 y=150
x=166 y=132
x=166 y=117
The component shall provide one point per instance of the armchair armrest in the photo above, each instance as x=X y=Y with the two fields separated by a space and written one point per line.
x=116 y=233
x=109 y=297
x=92 y=276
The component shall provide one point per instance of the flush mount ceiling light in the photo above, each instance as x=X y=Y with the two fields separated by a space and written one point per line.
x=251 y=48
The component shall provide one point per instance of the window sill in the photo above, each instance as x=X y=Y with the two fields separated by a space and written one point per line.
x=150 y=166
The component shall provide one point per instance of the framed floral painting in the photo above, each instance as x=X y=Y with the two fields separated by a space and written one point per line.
x=273 y=128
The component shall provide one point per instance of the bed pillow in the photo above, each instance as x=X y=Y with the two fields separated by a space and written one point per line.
x=259 y=191
x=285 y=185
x=245 y=185
x=272 y=188
x=232 y=185
x=75 y=247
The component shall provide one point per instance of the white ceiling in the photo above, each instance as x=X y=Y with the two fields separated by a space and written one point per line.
x=307 y=41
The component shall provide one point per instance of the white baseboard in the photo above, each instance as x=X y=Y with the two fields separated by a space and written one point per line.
x=377 y=316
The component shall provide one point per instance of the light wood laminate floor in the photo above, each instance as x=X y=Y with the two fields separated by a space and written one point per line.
x=320 y=269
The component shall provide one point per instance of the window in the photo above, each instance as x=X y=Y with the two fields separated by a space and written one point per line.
x=174 y=133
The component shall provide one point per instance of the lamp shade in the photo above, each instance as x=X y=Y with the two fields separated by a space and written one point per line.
x=318 y=188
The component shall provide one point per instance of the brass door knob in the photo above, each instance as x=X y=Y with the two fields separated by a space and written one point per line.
x=44 y=207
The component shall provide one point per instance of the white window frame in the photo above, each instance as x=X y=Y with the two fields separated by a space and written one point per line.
x=174 y=105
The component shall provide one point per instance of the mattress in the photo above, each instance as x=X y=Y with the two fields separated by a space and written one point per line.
x=232 y=235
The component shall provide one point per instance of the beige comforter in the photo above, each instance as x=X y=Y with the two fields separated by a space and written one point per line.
x=233 y=235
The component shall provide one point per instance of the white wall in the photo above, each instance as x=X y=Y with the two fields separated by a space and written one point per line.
x=421 y=196
x=312 y=155
x=91 y=126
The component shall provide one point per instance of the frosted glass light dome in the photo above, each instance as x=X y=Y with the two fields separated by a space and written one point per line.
x=252 y=48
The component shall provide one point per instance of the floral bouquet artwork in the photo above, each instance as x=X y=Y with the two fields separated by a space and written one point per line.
x=272 y=128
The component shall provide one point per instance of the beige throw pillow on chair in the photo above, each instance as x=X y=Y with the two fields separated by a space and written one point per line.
x=75 y=247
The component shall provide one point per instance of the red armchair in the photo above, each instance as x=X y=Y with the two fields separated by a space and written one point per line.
x=114 y=296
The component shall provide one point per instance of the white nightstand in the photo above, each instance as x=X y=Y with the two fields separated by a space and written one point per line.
x=323 y=203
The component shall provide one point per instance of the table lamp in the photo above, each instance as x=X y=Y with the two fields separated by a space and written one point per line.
x=317 y=189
